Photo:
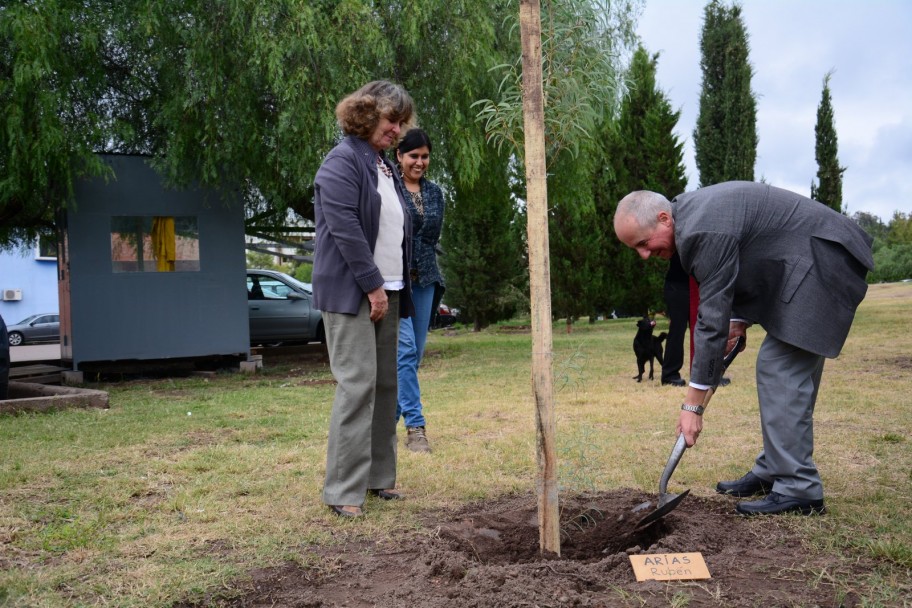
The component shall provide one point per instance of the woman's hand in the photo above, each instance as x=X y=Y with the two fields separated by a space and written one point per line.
x=379 y=304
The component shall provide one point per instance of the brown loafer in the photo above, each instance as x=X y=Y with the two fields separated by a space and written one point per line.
x=341 y=511
x=387 y=494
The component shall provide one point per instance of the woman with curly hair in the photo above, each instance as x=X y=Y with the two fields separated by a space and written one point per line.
x=361 y=283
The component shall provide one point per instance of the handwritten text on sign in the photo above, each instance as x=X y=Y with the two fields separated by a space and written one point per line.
x=669 y=567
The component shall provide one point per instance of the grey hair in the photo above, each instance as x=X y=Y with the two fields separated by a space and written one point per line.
x=643 y=206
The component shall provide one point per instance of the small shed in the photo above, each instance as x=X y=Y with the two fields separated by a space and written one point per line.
x=148 y=273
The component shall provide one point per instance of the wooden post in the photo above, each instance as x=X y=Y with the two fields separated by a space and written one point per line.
x=539 y=272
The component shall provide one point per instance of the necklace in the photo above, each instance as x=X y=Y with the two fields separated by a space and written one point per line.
x=382 y=166
x=418 y=201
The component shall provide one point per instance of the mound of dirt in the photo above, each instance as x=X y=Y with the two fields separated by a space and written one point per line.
x=487 y=555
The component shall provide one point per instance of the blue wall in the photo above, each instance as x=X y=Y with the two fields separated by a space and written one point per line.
x=37 y=278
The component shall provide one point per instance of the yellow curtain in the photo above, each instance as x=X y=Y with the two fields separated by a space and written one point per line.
x=164 y=245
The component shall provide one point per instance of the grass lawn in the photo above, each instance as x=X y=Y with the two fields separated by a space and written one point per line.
x=187 y=483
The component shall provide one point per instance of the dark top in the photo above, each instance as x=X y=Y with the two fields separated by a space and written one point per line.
x=426 y=229
x=676 y=273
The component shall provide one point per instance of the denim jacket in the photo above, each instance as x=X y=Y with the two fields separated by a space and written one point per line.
x=426 y=234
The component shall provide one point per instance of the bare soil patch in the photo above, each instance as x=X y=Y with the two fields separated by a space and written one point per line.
x=486 y=555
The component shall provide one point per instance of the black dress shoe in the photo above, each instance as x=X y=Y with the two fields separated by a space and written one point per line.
x=387 y=494
x=775 y=504
x=748 y=485
x=338 y=510
x=674 y=382
x=724 y=381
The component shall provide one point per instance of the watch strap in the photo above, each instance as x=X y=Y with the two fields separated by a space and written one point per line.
x=696 y=409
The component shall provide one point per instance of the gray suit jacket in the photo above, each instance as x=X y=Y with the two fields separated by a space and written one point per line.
x=772 y=257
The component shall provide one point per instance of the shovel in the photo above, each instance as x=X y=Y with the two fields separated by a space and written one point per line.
x=668 y=502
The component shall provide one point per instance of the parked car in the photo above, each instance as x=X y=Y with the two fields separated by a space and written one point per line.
x=44 y=327
x=444 y=317
x=281 y=309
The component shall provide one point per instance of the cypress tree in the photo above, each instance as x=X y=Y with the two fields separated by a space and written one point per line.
x=640 y=152
x=486 y=275
x=828 y=189
x=725 y=138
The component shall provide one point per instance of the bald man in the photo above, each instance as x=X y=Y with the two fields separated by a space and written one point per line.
x=778 y=259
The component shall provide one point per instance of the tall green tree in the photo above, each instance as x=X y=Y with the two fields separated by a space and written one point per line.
x=640 y=152
x=483 y=263
x=229 y=94
x=871 y=224
x=725 y=138
x=828 y=189
x=52 y=115
x=899 y=230
x=582 y=79
x=577 y=278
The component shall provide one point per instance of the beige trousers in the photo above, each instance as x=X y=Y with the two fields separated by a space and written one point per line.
x=361 y=450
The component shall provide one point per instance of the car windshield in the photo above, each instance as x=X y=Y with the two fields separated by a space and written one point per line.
x=305 y=286
x=28 y=320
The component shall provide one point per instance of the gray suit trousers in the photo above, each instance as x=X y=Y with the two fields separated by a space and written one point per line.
x=788 y=379
x=361 y=451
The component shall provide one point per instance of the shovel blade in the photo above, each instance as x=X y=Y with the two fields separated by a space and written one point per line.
x=667 y=504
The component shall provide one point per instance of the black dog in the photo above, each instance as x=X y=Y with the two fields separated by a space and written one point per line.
x=647 y=347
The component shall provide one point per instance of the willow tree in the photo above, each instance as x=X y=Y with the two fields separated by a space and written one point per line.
x=828 y=189
x=51 y=113
x=228 y=94
x=725 y=138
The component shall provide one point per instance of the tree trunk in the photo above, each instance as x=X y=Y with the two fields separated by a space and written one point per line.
x=539 y=273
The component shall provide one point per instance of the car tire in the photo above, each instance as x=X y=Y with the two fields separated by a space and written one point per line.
x=15 y=338
x=321 y=333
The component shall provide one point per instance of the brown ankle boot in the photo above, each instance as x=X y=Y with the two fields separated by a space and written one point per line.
x=416 y=440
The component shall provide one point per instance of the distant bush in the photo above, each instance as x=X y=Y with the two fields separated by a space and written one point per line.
x=892 y=263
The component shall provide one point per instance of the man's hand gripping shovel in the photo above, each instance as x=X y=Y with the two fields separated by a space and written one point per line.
x=668 y=502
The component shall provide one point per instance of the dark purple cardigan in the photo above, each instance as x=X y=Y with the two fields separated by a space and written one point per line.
x=347 y=213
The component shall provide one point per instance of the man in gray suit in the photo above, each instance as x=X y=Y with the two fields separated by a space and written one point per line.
x=768 y=256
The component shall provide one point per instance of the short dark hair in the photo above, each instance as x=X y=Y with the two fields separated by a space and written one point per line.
x=415 y=138
x=360 y=112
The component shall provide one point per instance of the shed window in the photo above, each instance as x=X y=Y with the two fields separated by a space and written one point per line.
x=154 y=243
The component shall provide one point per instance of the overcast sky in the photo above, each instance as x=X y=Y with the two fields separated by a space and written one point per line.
x=793 y=44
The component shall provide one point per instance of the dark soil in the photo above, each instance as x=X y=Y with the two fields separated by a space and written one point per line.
x=487 y=555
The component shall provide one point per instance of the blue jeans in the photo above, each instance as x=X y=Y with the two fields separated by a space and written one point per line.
x=412 y=337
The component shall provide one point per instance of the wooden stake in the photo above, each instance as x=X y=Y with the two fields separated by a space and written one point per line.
x=539 y=273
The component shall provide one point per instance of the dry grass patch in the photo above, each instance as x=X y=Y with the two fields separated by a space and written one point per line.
x=143 y=505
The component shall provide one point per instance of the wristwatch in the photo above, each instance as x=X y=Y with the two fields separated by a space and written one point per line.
x=696 y=409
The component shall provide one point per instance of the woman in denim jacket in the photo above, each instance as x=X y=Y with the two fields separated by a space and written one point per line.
x=425 y=206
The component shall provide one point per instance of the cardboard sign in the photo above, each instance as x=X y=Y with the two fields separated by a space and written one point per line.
x=669 y=567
